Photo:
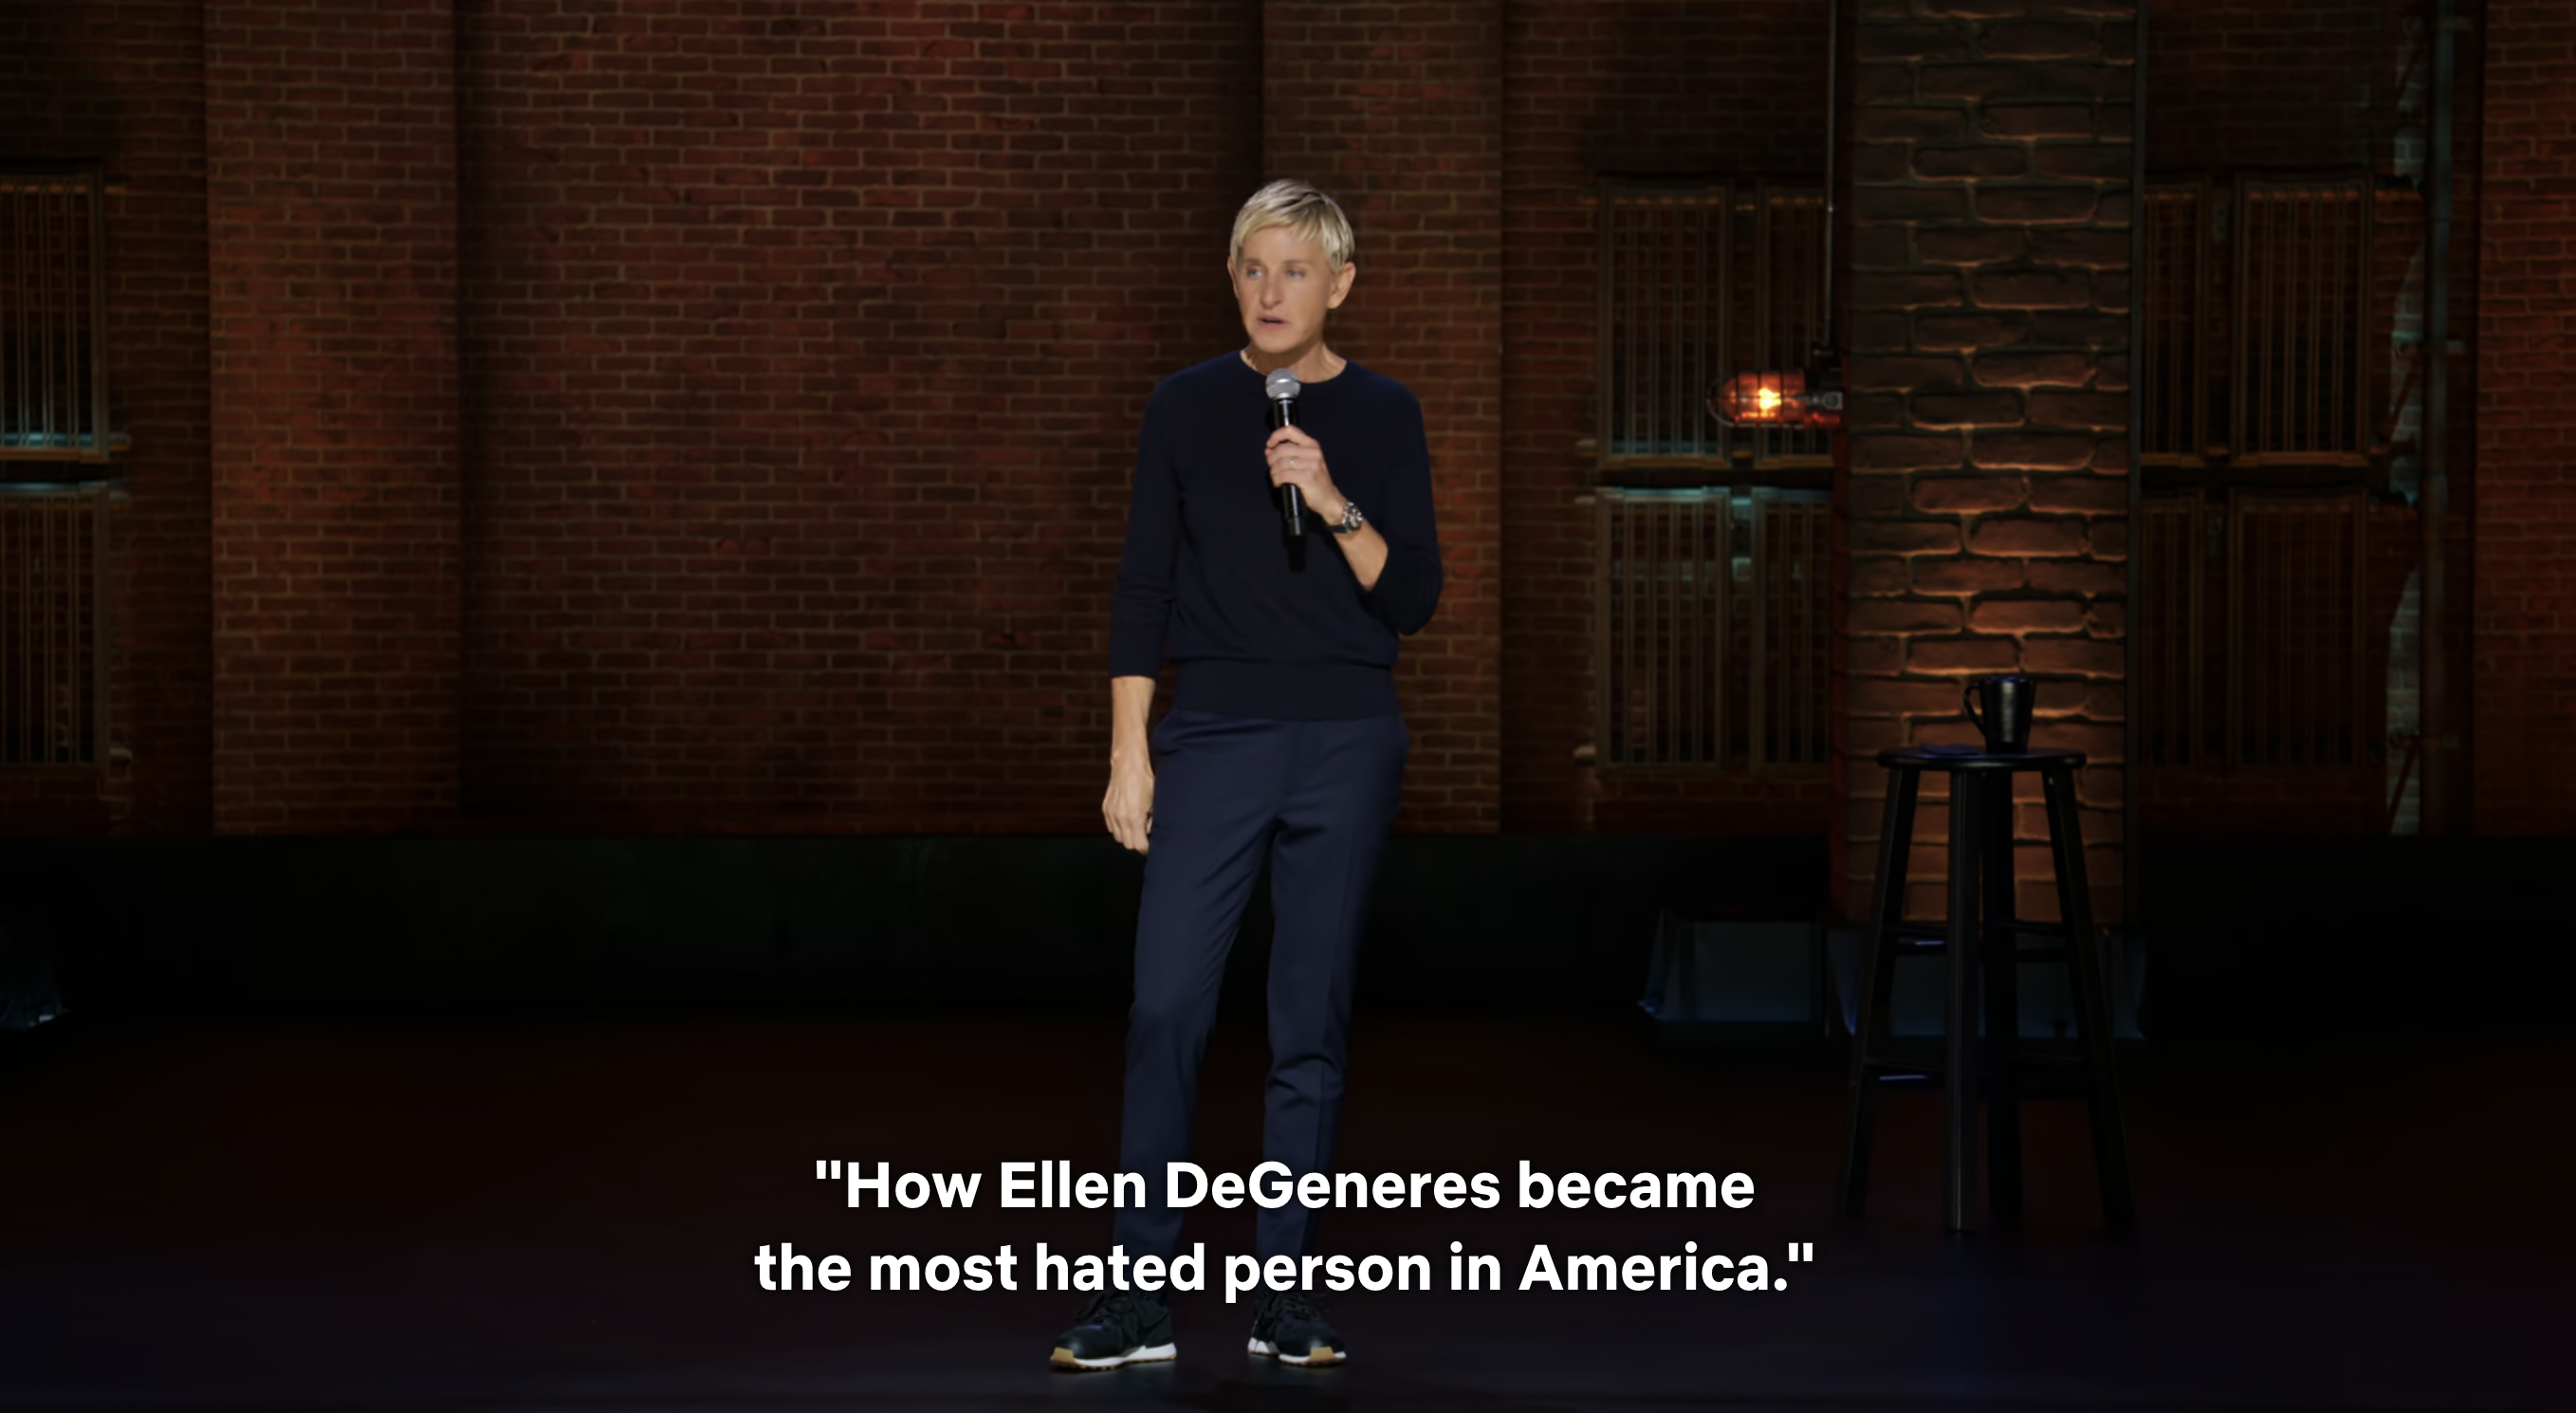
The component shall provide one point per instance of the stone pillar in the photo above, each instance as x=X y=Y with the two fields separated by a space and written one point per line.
x=1986 y=525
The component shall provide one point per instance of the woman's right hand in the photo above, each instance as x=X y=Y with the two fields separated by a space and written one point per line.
x=1129 y=805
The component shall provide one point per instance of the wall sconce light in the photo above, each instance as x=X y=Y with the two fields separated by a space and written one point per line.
x=1807 y=400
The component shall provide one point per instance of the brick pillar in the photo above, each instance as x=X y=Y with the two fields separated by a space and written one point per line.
x=331 y=195
x=1397 y=110
x=2524 y=654
x=1986 y=501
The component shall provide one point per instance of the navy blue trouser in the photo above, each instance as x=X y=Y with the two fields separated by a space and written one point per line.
x=1317 y=797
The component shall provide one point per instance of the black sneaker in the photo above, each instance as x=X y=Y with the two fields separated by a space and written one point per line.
x=1287 y=1327
x=1117 y=1327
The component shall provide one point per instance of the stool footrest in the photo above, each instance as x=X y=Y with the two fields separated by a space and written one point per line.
x=2041 y=1076
x=2021 y=1089
x=1920 y=938
x=2035 y=1075
x=1910 y=1058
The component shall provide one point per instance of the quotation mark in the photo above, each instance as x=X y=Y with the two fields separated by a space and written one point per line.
x=827 y=1168
x=1802 y=1251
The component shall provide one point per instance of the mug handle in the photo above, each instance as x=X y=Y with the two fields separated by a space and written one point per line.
x=1968 y=699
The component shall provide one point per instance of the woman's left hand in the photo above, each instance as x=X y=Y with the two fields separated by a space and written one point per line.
x=1296 y=460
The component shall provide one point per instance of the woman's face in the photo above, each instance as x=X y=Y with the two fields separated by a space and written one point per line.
x=1283 y=285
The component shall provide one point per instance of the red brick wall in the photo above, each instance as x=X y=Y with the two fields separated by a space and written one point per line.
x=1636 y=88
x=332 y=228
x=2294 y=84
x=803 y=358
x=2524 y=573
x=122 y=84
x=1986 y=502
x=1397 y=109
x=762 y=470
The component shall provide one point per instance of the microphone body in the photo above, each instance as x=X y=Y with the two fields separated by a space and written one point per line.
x=1283 y=387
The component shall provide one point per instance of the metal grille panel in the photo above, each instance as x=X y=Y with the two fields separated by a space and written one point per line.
x=2172 y=539
x=1697 y=283
x=2174 y=393
x=1666 y=607
x=1789 y=310
x=1711 y=645
x=2301 y=333
x=53 y=627
x=53 y=318
x=1666 y=266
x=2295 y=595
x=1792 y=627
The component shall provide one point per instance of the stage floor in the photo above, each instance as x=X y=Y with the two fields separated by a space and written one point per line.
x=562 y=1214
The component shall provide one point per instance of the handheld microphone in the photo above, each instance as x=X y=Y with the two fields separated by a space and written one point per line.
x=1283 y=387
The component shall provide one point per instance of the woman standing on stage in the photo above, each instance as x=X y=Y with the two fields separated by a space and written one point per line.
x=1284 y=740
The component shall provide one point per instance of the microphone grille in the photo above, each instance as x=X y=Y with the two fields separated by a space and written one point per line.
x=1281 y=385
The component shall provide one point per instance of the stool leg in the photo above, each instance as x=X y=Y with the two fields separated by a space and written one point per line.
x=1877 y=985
x=2002 y=974
x=2092 y=998
x=1959 y=1044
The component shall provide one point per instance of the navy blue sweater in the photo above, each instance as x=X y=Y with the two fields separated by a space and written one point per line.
x=1206 y=577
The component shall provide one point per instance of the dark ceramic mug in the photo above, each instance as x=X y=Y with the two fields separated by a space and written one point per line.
x=2001 y=707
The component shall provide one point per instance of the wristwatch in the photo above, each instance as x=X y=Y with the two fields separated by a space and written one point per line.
x=1351 y=520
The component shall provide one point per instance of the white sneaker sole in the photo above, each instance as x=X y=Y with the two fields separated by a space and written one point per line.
x=1320 y=1354
x=1064 y=1358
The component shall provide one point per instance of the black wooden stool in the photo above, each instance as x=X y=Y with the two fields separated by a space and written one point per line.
x=1981 y=925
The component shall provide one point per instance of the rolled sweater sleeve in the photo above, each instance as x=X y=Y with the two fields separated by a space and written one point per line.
x=1140 y=608
x=1408 y=588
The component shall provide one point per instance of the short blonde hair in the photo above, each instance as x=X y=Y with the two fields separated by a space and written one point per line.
x=1304 y=209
